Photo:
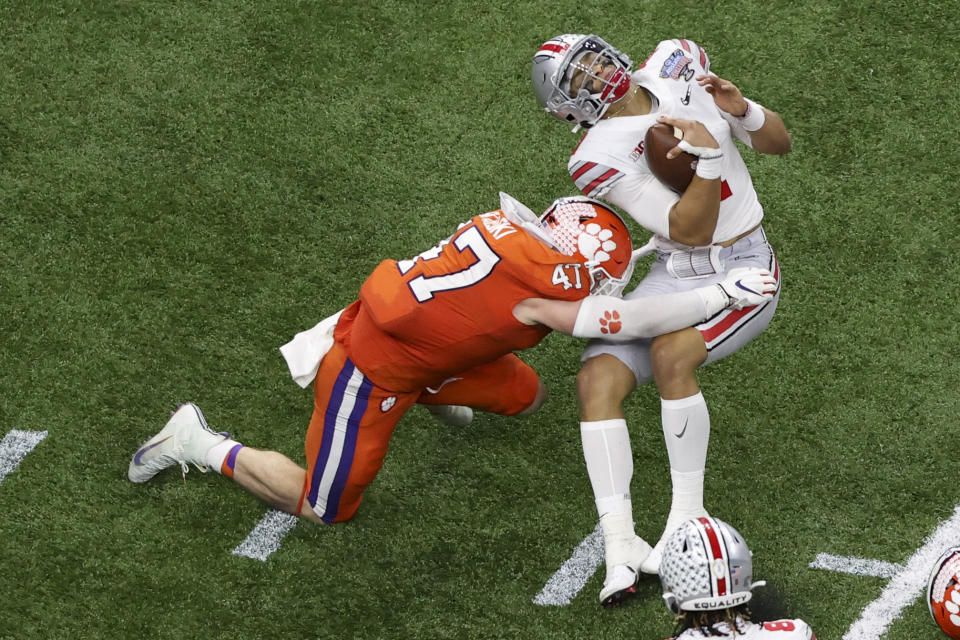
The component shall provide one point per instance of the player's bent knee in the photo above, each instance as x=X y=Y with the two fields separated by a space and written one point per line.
x=538 y=401
x=677 y=354
x=309 y=514
x=604 y=381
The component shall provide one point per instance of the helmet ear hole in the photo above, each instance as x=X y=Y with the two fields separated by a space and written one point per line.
x=672 y=603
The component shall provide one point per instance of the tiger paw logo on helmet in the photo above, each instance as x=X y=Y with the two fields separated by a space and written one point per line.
x=595 y=243
x=943 y=592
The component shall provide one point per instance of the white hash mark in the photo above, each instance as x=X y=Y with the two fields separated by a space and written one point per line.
x=266 y=536
x=566 y=583
x=14 y=448
x=856 y=566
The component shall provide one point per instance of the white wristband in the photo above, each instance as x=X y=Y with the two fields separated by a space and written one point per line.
x=709 y=168
x=754 y=117
x=700 y=152
x=715 y=299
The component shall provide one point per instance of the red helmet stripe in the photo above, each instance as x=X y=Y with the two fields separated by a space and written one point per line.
x=686 y=45
x=716 y=550
x=555 y=48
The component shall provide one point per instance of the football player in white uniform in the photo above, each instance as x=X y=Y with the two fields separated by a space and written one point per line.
x=707 y=576
x=586 y=82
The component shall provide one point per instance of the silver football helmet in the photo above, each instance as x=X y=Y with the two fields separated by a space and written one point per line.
x=604 y=77
x=706 y=566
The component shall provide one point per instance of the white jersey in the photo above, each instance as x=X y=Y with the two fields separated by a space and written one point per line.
x=609 y=162
x=776 y=630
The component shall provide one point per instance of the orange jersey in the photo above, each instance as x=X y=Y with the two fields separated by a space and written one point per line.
x=421 y=321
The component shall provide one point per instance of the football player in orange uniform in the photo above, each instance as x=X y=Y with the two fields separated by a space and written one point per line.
x=440 y=330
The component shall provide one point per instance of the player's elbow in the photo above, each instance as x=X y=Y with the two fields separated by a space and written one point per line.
x=776 y=143
x=782 y=145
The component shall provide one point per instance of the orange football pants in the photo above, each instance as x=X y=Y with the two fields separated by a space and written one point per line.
x=353 y=421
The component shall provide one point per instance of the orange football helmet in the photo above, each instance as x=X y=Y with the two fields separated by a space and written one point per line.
x=593 y=233
x=943 y=592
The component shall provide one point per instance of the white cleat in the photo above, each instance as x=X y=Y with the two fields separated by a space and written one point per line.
x=453 y=415
x=621 y=583
x=186 y=438
x=652 y=563
x=621 y=580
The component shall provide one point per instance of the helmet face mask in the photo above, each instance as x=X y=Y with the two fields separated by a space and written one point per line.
x=579 y=60
x=706 y=566
x=594 y=234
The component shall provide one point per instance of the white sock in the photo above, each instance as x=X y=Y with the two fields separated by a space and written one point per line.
x=218 y=453
x=606 y=450
x=686 y=431
x=618 y=538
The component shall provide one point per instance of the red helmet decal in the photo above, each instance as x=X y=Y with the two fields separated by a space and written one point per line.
x=553 y=47
x=716 y=550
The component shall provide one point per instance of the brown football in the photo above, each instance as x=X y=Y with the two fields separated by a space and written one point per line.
x=676 y=173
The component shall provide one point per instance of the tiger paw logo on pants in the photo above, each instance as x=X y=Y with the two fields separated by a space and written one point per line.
x=610 y=322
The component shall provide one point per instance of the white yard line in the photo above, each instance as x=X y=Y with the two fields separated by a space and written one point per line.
x=909 y=583
x=14 y=448
x=267 y=536
x=569 y=579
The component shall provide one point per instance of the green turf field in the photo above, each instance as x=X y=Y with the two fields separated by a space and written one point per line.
x=185 y=185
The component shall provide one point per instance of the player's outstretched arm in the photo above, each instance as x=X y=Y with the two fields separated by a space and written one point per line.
x=768 y=133
x=621 y=320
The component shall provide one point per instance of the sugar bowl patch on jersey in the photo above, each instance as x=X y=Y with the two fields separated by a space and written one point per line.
x=677 y=63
